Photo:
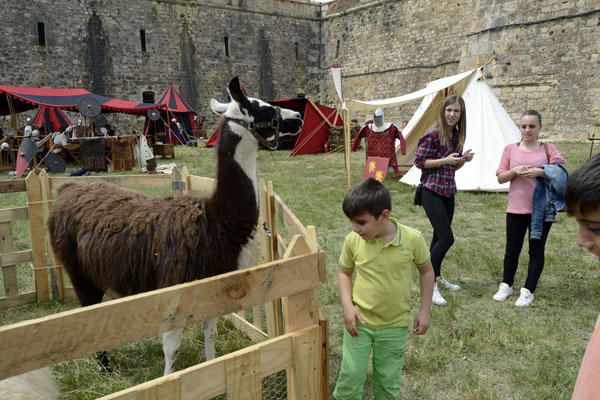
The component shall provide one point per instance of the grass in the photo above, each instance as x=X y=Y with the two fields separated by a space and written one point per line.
x=475 y=349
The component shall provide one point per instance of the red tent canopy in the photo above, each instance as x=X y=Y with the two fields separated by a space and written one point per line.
x=173 y=106
x=315 y=129
x=22 y=98
x=51 y=119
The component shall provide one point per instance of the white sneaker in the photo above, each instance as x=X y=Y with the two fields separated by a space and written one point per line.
x=437 y=298
x=525 y=299
x=503 y=292
x=447 y=285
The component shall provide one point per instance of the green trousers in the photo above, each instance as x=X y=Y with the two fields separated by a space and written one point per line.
x=388 y=347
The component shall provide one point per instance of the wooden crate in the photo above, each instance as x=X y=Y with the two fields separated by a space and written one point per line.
x=163 y=150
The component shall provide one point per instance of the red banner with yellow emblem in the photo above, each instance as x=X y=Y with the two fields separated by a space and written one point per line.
x=376 y=167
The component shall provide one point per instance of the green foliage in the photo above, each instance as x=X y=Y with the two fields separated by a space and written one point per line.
x=475 y=349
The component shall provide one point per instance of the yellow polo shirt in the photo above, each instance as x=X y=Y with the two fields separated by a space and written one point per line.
x=381 y=290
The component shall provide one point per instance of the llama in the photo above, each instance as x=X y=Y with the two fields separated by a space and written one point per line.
x=112 y=239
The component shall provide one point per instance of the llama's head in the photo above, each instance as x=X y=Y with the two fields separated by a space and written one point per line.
x=262 y=119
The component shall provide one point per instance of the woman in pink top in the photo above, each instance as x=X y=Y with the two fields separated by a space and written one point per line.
x=521 y=164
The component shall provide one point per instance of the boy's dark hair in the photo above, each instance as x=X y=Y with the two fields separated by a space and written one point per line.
x=583 y=189
x=367 y=196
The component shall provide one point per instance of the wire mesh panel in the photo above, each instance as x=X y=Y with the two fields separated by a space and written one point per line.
x=274 y=387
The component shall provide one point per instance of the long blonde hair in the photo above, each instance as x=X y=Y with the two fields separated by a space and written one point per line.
x=460 y=127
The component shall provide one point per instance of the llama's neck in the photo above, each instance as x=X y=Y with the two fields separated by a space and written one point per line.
x=234 y=205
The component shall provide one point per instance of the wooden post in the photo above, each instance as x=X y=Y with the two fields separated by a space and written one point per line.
x=185 y=178
x=177 y=184
x=9 y=272
x=347 y=138
x=57 y=281
x=273 y=309
x=305 y=377
x=36 y=231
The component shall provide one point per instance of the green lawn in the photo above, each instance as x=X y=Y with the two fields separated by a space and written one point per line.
x=475 y=349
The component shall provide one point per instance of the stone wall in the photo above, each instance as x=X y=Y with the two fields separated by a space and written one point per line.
x=274 y=46
x=541 y=55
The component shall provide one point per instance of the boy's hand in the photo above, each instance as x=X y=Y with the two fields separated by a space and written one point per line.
x=421 y=322
x=351 y=314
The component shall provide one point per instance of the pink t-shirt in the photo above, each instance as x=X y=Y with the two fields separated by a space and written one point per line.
x=587 y=386
x=520 y=193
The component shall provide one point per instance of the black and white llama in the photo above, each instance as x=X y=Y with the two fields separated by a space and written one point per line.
x=118 y=240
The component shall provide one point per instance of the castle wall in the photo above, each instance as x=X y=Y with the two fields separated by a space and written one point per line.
x=274 y=46
x=541 y=55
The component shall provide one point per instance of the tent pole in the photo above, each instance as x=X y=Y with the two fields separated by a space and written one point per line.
x=13 y=117
x=346 y=119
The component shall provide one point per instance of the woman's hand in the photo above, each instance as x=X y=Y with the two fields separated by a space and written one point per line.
x=468 y=155
x=534 y=172
x=521 y=170
x=453 y=159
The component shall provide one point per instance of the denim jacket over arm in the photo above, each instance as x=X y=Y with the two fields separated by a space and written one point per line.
x=548 y=198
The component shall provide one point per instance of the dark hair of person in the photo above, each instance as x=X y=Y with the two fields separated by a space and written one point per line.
x=583 y=188
x=369 y=196
x=461 y=126
x=533 y=113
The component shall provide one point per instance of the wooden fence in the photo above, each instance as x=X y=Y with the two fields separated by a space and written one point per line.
x=281 y=290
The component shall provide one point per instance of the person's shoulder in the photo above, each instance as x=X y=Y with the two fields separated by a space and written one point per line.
x=510 y=146
x=409 y=232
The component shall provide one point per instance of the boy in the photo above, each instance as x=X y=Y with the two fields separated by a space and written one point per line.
x=582 y=198
x=377 y=308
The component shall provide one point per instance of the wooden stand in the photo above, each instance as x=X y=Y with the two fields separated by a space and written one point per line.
x=163 y=150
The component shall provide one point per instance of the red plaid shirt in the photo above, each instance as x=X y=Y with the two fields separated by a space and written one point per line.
x=441 y=179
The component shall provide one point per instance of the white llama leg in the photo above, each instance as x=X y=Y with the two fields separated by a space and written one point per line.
x=210 y=330
x=171 y=344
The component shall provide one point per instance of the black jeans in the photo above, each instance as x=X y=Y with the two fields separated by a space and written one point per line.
x=516 y=226
x=440 y=211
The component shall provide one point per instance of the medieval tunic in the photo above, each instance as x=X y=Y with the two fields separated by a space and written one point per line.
x=381 y=144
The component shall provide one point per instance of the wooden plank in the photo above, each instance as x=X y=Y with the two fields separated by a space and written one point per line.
x=301 y=309
x=202 y=186
x=208 y=380
x=272 y=218
x=15 y=257
x=9 y=271
x=243 y=376
x=168 y=389
x=324 y=325
x=292 y=224
x=72 y=334
x=37 y=230
x=16 y=185
x=253 y=332
x=281 y=246
x=12 y=214
x=185 y=177
x=18 y=300
x=177 y=185
x=55 y=271
x=306 y=370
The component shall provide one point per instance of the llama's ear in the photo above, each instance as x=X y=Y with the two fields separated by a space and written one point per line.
x=236 y=91
x=217 y=107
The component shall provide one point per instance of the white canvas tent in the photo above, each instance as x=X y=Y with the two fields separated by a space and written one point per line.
x=489 y=128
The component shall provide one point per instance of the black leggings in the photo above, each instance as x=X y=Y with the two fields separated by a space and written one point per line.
x=440 y=211
x=516 y=226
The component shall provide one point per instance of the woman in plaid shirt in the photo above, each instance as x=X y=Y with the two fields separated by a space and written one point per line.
x=439 y=154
